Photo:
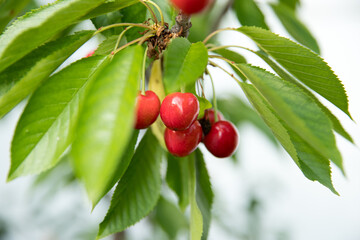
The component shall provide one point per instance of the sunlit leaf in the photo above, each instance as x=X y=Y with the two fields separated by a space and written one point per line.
x=249 y=14
x=138 y=190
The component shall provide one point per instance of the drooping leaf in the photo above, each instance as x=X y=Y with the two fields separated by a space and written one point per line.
x=196 y=218
x=45 y=129
x=295 y=27
x=312 y=164
x=249 y=14
x=287 y=77
x=204 y=193
x=304 y=64
x=106 y=121
x=38 y=26
x=297 y=110
x=10 y=9
x=177 y=176
x=234 y=57
x=138 y=190
x=184 y=63
x=243 y=114
x=170 y=218
x=204 y=104
x=108 y=6
x=23 y=77
x=156 y=85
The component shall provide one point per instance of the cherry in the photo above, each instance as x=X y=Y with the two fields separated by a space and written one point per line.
x=209 y=115
x=179 y=110
x=147 y=109
x=222 y=139
x=190 y=6
x=182 y=143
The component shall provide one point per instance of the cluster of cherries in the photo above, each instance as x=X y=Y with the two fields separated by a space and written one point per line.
x=179 y=113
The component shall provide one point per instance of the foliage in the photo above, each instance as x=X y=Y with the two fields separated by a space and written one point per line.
x=85 y=111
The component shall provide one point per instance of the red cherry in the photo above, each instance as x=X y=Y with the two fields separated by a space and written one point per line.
x=209 y=115
x=179 y=110
x=182 y=143
x=190 y=6
x=222 y=139
x=147 y=109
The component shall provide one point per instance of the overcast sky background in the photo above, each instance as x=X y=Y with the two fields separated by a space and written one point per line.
x=291 y=204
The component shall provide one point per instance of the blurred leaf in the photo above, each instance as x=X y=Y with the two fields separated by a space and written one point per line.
x=292 y=4
x=304 y=64
x=106 y=121
x=23 y=77
x=138 y=191
x=156 y=85
x=204 y=104
x=177 y=178
x=196 y=218
x=108 y=6
x=9 y=9
x=184 y=63
x=312 y=164
x=108 y=19
x=134 y=14
x=234 y=57
x=170 y=218
x=295 y=27
x=249 y=14
x=297 y=110
x=243 y=113
x=287 y=77
x=204 y=193
x=46 y=126
x=38 y=26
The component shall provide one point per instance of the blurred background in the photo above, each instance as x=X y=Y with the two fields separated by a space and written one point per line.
x=260 y=194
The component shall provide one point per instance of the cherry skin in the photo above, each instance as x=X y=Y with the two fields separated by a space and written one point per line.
x=190 y=6
x=182 y=143
x=222 y=139
x=209 y=115
x=147 y=109
x=179 y=110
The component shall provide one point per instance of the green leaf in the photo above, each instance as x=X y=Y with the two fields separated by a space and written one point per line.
x=184 y=63
x=38 y=26
x=243 y=114
x=295 y=27
x=196 y=218
x=249 y=14
x=139 y=189
x=107 y=19
x=170 y=218
x=106 y=121
x=177 y=178
x=297 y=110
x=287 y=77
x=312 y=164
x=304 y=64
x=168 y=10
x=108 y=6
x=134 y=14
x=108 y=45
x=204 y=193
x=293 y=4
x=23 y=77
x=204 y=104
x=10 y=9
x=234 y=57
x=45 y=129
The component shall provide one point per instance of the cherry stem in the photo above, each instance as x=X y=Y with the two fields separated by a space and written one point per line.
x=228 y=61
x=214 y=95
x=230 y=74
x=217 y=32
x=120 y=36
x=150 y=10
x=146 y=36
x=143 y=72
x=122 y=25
x=229 y=46
x=159 y=10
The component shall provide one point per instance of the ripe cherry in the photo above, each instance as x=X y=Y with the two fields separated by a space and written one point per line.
x=182 y=143
x=209 y=115
x=147 y=109
x=222 y=139
x=190 y=6
x=179 y=110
